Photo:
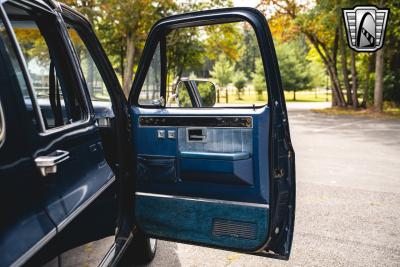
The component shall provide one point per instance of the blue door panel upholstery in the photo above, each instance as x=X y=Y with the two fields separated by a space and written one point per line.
x=156 y=169
x=228 y=167
x=217 y=171
x=219 y=140
x=195 y=221
x=149 y=144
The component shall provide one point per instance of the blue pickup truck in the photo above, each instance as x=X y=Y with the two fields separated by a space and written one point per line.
x=80 y=162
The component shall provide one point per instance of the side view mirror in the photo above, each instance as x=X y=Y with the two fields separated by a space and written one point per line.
x=195 y=93
x=160 y=102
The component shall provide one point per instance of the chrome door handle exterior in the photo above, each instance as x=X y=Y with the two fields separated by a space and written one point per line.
x=48 y=164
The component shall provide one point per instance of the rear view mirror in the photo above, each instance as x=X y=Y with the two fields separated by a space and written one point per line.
x=195 y=93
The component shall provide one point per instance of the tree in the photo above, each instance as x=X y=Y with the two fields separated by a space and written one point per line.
x=354 y=85
x=248 y=52
x=293 y=66
x=367 y=65
x=184 y=52
x=223 y=71
x=391 y=79
x=378 y=91
x=259 y=79
x=319 y=24
x=345 y=71
x=133 y=20
x=239 y=81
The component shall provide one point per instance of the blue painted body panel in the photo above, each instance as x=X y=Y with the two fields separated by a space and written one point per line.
x=35 y=208
x=78 y=178
x=23 y=222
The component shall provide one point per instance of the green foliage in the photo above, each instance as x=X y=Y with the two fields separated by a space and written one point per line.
x=239 y=81
x=33 y=45
x=248 y=52
x=391 y=91
x=259 y=79
x=206 y=90
x=118 y=21
x=223 y=39
x=293 y=66
x=223 y=71
x=207 y=93
x=185 y=52
x=391 y=87
x=184 y=98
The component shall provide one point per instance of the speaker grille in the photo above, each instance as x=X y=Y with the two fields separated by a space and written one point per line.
x=235 y=229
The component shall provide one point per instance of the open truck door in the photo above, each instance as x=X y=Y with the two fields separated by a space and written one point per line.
x=212 y=176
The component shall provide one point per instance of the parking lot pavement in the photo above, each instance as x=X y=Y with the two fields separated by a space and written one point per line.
x=348 y=197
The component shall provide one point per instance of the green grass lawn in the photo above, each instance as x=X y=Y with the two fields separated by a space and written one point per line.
x=251 y=97
x=388 y=112
x=308 y=96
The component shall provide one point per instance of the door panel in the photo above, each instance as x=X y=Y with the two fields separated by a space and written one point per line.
x=149 y=144
x=211 y=222
x=218 y=194
x=218 y=177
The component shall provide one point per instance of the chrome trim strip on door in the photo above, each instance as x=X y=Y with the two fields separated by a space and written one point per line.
x=2 y=126
x=195 y=116
x=89 y=201
x=109 y=257
x=208 y=200
x=30 y=252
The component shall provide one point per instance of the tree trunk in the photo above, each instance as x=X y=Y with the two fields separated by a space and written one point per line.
x=90 y=76
x=345 y=71
x=378 y=91
x=354 y=80
x=337 y=94
x=338 y=88
x=130 y=58
x=368 y=74
x=121 y=61
x=330 y=65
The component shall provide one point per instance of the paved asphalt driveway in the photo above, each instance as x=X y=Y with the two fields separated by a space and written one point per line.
x=348 y=197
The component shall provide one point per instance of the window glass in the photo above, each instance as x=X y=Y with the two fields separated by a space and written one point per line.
x=17 y=71
x=96 y=86
x=222 y=61
x=59 y=99
x=150 y=93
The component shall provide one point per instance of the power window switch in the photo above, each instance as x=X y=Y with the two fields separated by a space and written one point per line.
x=160 y=134
x=171 y=134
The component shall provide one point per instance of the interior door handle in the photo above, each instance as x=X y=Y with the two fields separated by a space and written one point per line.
x=196 y=135
x=48 y=164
